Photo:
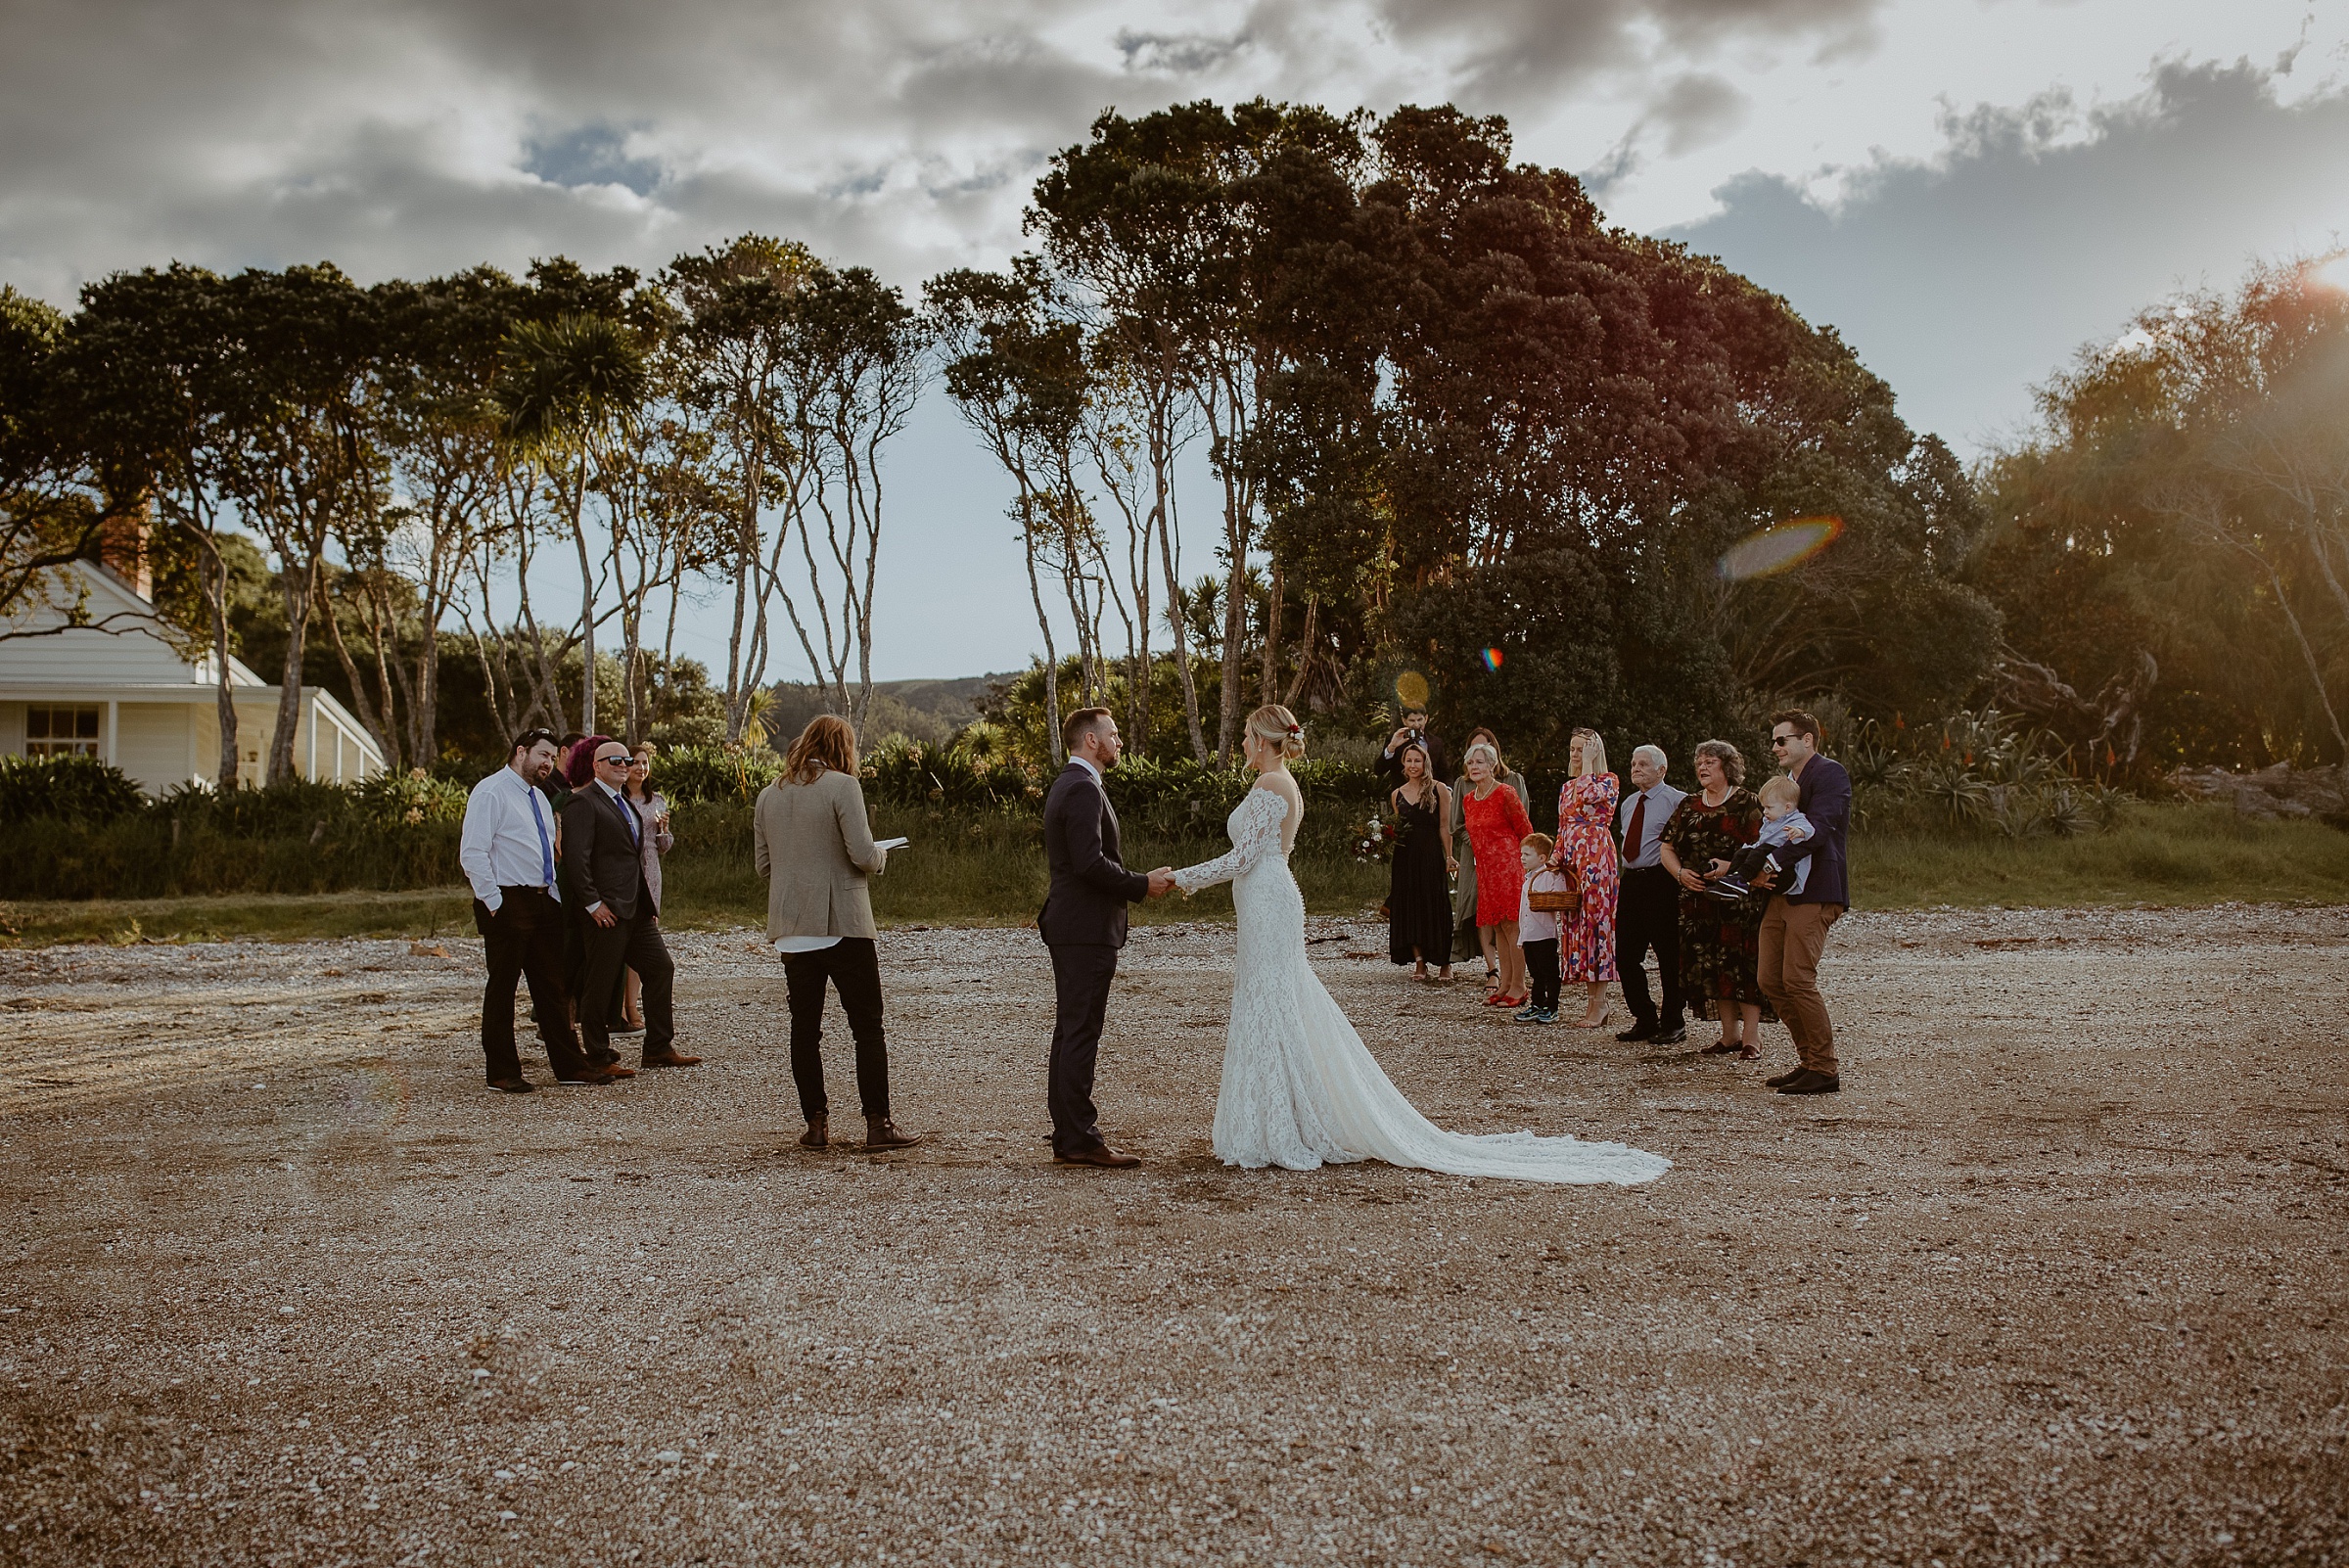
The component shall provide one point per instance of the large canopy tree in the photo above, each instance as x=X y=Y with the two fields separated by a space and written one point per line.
x=2172 y=543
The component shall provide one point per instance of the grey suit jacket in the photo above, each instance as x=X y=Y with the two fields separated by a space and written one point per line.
x=815 y=845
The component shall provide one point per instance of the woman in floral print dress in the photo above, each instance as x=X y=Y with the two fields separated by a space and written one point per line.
x=1720 y=941
x=1587 y=852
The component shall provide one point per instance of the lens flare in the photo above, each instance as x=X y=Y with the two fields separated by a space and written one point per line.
x=1410 y=692
x=1778 y=550
x=1492 y=658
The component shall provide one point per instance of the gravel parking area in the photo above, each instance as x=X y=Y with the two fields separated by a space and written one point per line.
x=2061 y=1277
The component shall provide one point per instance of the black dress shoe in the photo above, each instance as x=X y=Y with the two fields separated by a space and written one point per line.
x=1808 y=1083
x=511 y=1085
x=1677 y=1034
x=1640 y=1029
x=1783 y=1078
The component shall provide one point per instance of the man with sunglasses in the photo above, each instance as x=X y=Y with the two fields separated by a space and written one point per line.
x=507 y=851
x=603 y=850
x=1794 y=928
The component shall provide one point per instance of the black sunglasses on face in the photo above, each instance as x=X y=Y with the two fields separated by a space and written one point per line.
x=613 y=761
x=1781 y=740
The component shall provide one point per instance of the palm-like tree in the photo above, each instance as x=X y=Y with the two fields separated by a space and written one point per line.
x=567 y=391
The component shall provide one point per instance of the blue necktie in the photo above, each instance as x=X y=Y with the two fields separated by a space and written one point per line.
x=635 y=834
x=547 y=849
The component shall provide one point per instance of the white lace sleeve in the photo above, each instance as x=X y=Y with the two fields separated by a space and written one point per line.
x=1254 y=833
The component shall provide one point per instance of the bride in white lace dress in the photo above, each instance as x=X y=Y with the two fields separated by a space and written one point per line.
x=1300 y=1089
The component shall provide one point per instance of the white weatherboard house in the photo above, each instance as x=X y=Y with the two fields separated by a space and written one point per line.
x=131 y=697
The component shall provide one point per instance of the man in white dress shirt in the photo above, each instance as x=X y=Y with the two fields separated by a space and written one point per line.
x=1648 y=914
x=508 y=853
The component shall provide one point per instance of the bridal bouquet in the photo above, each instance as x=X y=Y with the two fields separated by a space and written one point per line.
x=1375 y=840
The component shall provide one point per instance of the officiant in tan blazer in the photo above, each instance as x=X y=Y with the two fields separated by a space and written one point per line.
x=814 y=845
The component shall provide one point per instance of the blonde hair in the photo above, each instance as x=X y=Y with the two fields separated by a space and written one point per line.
x=1276 y=723
x=826 y=743
x=1589 y=754
x=1778 y=787
x=1538 y=842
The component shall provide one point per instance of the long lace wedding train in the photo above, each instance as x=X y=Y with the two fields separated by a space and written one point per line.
x=1300 y=1089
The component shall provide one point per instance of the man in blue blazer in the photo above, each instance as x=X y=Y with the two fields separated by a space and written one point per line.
x=1794 y=929
x=1083 y=924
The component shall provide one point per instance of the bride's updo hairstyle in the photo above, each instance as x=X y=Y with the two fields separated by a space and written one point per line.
x=1277 y=724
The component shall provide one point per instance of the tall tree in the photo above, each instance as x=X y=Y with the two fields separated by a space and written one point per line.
x=49 y=512
x=439 y=429
x=1132 y=218
x=568 y=391
x=2185 y=505
x=736 y=352
x=858 y=360
x=306 y=454
x=153 y=376
x=1016 y=368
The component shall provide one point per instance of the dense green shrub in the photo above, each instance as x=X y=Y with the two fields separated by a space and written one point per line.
x=389 y=799
x=713 y=774
x=76 y=789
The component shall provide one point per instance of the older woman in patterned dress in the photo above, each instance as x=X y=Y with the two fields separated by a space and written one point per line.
x=1587 y=853
x=1720 y=941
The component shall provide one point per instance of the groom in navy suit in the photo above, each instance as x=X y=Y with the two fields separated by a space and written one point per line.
x=1083 y=923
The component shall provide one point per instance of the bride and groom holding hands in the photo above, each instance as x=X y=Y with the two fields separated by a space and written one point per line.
x=1299 y=1088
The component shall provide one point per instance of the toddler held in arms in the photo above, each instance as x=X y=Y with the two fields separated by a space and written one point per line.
x=1781 y=826
x=1538 y=929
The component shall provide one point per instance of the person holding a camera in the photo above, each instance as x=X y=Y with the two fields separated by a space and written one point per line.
x=1411 y=732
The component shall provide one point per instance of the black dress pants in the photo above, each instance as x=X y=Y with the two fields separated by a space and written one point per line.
x=1080 y=978
x=852 y=965
x=634 y=943
x=1542 y=969
x=1649 y=915
x=524 y=937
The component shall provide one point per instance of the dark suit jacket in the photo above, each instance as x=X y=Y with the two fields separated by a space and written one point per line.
x=604 y=863
x=1390 y=763
x=1086 y=906
x=1827 y=800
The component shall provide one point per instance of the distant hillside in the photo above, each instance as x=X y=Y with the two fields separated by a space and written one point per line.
x=929 y=711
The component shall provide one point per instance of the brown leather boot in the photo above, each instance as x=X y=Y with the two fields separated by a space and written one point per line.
x=880 y=1132
x=818 y=1133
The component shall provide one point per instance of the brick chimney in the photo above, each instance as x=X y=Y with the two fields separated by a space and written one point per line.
x=122 y=536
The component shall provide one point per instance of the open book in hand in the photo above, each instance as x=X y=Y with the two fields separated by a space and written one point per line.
x=890 y=843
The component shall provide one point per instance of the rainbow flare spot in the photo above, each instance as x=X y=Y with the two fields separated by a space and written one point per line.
x=1492 y=658
x=1778 y=550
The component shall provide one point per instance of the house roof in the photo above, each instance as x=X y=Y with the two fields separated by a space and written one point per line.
x=122 y=644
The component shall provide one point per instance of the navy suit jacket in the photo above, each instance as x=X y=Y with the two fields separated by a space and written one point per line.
x=1827 y=800
x=1091 y=888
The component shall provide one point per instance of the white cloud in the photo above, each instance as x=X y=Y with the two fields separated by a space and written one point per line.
x=408 y=137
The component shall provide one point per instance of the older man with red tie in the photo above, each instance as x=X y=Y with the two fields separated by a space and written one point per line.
x=1650 y=913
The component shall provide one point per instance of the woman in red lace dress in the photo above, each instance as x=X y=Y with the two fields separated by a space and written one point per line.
x=1586 y=850
x=1496 y=825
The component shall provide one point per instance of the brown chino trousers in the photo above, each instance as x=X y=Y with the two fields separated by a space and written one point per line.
x=1791 y=939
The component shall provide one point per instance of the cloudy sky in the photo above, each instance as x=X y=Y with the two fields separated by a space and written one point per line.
x=1969 y=189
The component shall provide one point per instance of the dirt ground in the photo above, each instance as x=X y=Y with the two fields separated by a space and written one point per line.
x=2061 y=1276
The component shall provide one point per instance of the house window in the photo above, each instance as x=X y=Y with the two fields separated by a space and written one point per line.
x=62 y=731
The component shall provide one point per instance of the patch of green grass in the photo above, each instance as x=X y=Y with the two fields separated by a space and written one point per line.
x=424 y=912
x=2165 y=855
x=989 y=871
